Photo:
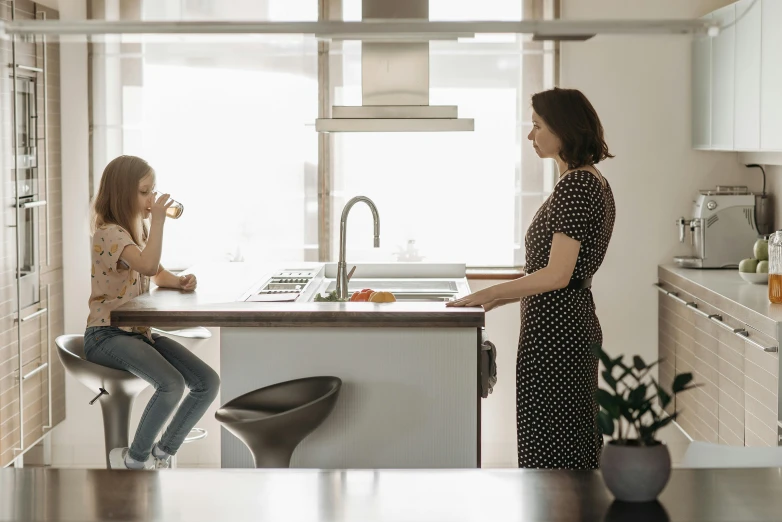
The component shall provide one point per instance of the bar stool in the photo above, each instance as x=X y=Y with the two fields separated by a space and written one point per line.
x=117 y=389
x=272 y=421
x=195 y=434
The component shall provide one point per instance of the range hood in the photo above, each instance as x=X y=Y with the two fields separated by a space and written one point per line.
x=394 y=82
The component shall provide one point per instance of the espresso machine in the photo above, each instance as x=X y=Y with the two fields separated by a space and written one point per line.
x=723 y=229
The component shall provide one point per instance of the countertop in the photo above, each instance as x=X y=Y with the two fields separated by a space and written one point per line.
x=727 y=291
x=214 y=303
x=720 y=495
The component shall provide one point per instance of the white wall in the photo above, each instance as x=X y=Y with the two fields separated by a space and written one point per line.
x=75 y=194
x=640 y=87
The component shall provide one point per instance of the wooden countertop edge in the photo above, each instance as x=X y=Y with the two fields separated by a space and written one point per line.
x=268 y=319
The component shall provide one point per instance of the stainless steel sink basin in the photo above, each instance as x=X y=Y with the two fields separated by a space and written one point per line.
x=403 y=289
x=401 y=286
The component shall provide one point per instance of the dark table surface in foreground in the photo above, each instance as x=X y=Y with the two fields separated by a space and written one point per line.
x=35 y=494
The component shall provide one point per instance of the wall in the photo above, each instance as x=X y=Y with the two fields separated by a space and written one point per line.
x=75 y=193
x=640 y=87
x=774 y=187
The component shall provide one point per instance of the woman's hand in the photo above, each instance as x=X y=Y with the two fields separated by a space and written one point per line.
x=188 y=282
x=479 y=298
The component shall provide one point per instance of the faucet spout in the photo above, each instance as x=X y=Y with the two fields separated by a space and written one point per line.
x=342 y=275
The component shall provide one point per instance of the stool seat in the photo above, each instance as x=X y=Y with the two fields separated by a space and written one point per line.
x=273 y=420
x=118 y=389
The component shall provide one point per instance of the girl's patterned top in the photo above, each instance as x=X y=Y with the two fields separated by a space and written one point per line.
x=113 y=282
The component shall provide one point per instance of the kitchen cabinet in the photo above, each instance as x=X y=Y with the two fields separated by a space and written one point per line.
x=736 y=78
x=701 y=91
x=746 y=128
x=736 y=401
x=771 y=76
x=723 y=63
x=32 y=390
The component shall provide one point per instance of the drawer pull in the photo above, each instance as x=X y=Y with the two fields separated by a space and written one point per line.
x=32 y=315
x=745 y=335
x=38 y=369
x=717 y=318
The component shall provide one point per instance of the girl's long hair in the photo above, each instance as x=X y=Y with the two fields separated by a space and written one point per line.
x=117 y=197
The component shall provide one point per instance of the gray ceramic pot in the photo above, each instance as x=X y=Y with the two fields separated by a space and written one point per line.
x=635 y=473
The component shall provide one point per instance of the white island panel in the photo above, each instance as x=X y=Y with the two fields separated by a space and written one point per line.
x=409 y=397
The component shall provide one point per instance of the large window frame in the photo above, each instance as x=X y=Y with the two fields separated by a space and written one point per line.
x=110 y=83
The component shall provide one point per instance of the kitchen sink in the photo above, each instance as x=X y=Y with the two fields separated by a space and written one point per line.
x=406 y=290
x=401 y=286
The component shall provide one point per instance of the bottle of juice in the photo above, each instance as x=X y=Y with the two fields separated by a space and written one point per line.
x=775 y=267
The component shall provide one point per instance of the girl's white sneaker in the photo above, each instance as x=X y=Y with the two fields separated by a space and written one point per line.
x=118 y=459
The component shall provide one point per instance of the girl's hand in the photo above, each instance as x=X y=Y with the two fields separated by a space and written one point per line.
x=188 y=282
x=479 y=298
x=160 y=206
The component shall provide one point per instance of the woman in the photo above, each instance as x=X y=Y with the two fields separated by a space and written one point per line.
x=556 y=371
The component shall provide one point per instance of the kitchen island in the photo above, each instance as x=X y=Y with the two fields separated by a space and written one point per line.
x=411 y=390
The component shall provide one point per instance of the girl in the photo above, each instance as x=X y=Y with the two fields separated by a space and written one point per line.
x=124 y=255
x=556 y=371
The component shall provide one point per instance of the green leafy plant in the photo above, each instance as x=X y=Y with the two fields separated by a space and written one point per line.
x=635 y=399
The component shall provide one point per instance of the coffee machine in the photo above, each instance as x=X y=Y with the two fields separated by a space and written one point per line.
x=723 y=229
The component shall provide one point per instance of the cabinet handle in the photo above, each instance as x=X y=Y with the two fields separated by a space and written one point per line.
x=675 y=297
x=28 y=68
x=717 y=318
x=40 y=367
x=698 y=311
x=745 y=335
x=32 y=204
x=32 y=315
x=49 y=425
x=46 y=146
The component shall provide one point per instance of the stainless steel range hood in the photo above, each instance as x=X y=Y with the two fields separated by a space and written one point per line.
x=394 y=82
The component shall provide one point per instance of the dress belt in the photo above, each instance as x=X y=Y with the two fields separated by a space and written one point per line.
x=580 y=284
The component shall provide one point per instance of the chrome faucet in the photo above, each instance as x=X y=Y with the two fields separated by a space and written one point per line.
x=342 y=270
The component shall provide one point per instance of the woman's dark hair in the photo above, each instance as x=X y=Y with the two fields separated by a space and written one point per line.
x=570 y=116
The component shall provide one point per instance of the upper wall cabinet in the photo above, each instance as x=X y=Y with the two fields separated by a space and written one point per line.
x=746 y=126
x=771 y=75
x=723 y=85
x=701 y=92
x=736 y=80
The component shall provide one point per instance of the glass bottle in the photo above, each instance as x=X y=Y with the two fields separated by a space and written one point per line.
x=775 y=267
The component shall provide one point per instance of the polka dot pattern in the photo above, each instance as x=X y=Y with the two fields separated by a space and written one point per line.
x=556 y=372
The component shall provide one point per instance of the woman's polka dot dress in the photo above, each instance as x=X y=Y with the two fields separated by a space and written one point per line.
x=556 y=372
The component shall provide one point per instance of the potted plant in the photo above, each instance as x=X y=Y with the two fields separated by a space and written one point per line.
x=634 y=464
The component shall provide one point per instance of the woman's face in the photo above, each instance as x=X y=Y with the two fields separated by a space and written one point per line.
x=545 y=142
x=146 y=195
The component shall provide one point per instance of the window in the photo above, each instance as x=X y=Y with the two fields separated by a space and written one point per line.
x=459 y=196
x=228 y=124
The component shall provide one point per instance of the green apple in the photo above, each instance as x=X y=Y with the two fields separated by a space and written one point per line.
x=762 y=267
x=761 y=250
x=748 y=266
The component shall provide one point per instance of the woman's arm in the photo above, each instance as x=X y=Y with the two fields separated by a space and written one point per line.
x=555 y=275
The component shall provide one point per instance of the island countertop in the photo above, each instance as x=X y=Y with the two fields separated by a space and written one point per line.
x=220 y=285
